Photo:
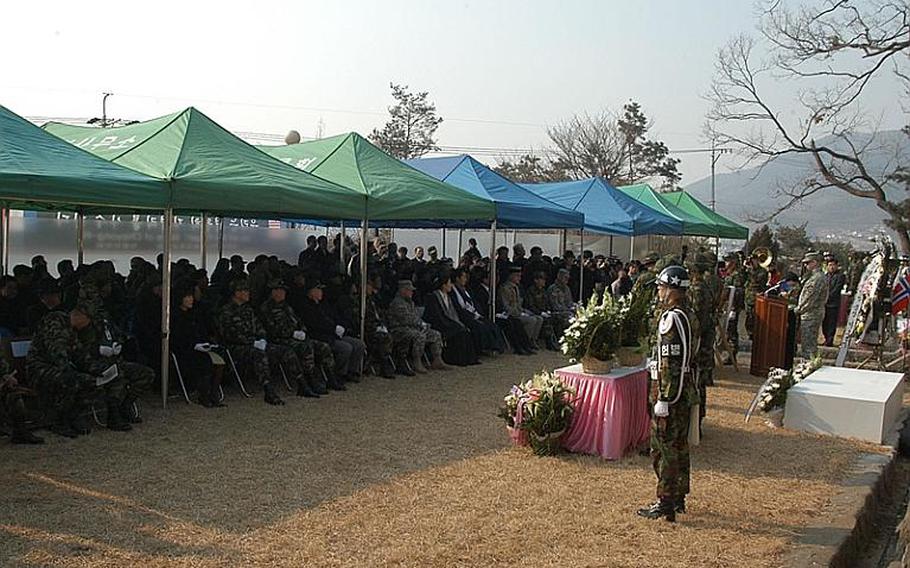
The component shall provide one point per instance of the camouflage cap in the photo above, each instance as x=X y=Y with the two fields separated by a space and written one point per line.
x=239 y=284
x=276 y=283
x=650 y=258
x=811 y=256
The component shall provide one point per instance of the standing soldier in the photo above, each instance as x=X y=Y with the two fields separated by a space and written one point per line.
x=673 y=393
x=646 y=275
x=703 y=305
x=410 y=334
x=286 y=335
x=242 y=333
x=811 y=306
x=735 y=282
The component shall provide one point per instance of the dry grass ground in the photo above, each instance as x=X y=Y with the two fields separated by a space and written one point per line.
x=411 y=472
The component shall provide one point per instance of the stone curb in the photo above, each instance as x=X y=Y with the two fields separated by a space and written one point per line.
x=835 y=538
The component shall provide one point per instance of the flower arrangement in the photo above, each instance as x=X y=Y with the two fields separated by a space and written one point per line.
x=541 y=408
x=773 y=393
x=603 y=326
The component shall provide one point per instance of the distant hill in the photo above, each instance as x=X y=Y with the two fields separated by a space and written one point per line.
x=744 y=194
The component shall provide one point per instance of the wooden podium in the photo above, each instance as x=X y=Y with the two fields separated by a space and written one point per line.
x=769 y=338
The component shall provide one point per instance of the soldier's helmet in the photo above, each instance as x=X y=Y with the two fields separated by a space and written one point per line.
x=673 y=277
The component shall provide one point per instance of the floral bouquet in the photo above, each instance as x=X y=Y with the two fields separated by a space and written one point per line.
x=541 y=409
x=593 y=332
x=772 y=395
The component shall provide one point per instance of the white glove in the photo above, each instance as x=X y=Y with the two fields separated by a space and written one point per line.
x=661 y=409
x=299 y=335
x=502 y=316
x=202 y=347
x=117 y=348
x=106 y=351
x=260 y=344
x=339 y=331
x=545 y=314
x=382 y=329
x=424 y=325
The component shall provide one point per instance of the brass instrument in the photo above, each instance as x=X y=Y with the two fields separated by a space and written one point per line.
x=763 y=256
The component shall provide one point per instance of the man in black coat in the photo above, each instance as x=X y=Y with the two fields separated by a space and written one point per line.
x=322 y=326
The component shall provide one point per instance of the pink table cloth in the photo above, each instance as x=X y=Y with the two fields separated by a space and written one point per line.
x=611 y=411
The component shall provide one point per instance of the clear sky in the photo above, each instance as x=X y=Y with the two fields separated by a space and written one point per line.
x=498 y=70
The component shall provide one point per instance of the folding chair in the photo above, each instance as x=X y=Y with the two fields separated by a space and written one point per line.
x=236 y=373
x=180 y=381
x=287 y=382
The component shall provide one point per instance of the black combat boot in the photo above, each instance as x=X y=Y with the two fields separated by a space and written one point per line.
x=271 y=397
x=404 y=369
x=304 y=390
x=22 y=435
x=62 y=425
x=116 y=421
x=680 y=507
x=79 y=420
x=129 y=411
x=336 y=384
x=663 y=508
x=388 y=370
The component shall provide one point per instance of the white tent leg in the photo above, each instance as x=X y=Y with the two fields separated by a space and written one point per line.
x=204 y=241
x=581 y=269
x=166 y=305
x=493 y=273
x=363 y=278
x=80 y=239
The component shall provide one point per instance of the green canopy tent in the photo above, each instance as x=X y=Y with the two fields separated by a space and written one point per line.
x=395 y=191
x=692 y=225
x=209 y=170
x=726 y=229
x=39 y=171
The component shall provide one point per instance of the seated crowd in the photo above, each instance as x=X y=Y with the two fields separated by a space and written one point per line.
x=95 y=334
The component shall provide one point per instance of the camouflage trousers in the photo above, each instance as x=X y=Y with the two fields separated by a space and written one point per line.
x=295 y=357
x=750 y=319
x=136 y=379
x=12 y=406
x=323 y=356
x=379 y=345
x=808 y=337
x=733 y=332
x=62 y=391
x=410 y=342
x=256 y=361
x=670 y=452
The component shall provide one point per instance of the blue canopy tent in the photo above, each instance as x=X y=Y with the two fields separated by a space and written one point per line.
x=516 y=207
x=607 y=209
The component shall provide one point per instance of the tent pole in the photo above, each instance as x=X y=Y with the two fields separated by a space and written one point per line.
x=363 y=278
x=581 y=271
x=80 y=238
x=166 y=305
x=493 y=272
x=326 y=231
x=631 y=248
x=204 y=240
x=6 y=246
x=3 y=262
x=563 y=239
x=460 y=238
x=221 y=238
x=611 y=245
x=341 y=240
x=443 y=244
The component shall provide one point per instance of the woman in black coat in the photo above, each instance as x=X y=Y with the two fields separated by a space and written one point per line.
x=189 y=344
x=442 y=315
x=486 y=336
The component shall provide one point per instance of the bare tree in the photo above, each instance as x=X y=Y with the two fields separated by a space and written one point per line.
x=830 y=50
x=613 y=147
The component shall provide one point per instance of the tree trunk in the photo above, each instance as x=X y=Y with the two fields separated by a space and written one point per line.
x=903 y=235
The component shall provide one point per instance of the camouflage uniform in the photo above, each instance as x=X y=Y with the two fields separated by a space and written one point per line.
x=12 y=403
x=738 y=281
x=510 y=299
x=133 y=377
x=296 y=357
x=535 y=301
x=703 y=306
x=410 y=334
x=378 y=339
x=239 y=330
x=811 y=311
x=674 y=384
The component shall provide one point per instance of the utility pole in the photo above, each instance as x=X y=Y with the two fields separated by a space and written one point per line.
x=104 y=109
x=716 y=153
